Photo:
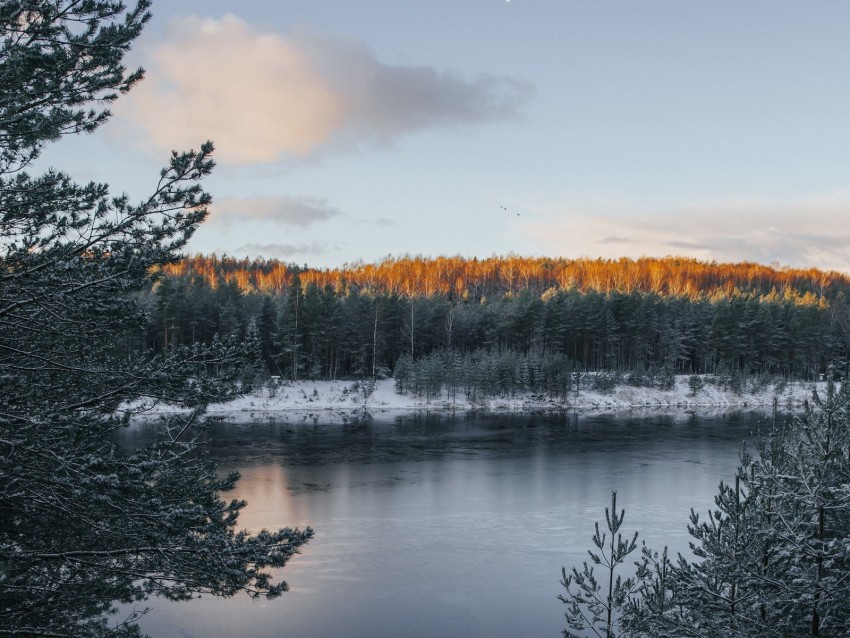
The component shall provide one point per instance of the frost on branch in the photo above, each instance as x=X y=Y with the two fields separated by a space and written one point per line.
x=83 y=524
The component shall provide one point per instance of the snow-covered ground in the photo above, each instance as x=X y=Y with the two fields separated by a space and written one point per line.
x=335 y=401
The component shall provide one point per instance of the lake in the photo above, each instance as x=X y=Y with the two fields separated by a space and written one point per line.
x=449 y=525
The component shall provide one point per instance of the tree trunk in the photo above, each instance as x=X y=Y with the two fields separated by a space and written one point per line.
x=375 y=340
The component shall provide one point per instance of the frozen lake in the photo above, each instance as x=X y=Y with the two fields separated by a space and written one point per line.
x=450 y=526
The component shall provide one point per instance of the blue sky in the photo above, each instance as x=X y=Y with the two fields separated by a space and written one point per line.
x=353 y=130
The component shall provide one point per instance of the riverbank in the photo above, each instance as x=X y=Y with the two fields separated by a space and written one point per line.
x=335 y=401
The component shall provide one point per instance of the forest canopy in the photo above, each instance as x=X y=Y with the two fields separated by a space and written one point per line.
x=680 y=315
x=462 y=278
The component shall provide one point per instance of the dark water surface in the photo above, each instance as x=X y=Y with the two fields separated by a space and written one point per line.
x=449 y=526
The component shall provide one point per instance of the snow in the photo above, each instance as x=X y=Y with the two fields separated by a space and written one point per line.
x=340 y=401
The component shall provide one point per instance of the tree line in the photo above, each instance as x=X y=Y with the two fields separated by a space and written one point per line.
x=313 y=331
x=472 y=278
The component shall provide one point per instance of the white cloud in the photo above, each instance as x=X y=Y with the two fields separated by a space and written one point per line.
x=264 y=96
x=810 y=232
x=288 y=211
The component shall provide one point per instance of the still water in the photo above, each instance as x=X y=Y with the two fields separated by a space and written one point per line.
x=449 y=526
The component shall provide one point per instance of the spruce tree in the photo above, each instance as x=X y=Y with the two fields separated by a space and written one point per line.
x=83 y=524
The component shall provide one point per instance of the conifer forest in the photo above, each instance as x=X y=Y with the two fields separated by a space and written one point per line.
x=532 y=318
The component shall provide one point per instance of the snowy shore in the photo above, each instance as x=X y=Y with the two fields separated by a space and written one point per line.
x=341 y=401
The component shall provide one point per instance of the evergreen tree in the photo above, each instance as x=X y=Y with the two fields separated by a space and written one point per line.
x=254 y=372
x=290 y=331
x=266 y=329
x=84 y=525
x=599 y=606
x=695 y=383
x=773 y=558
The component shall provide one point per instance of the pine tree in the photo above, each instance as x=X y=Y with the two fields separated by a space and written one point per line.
x=83 y=524
x=807 y=480
x=266 y=328
x=594 y=606
x=773 y=559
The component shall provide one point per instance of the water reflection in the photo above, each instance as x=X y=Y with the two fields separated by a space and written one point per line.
x=430 y=525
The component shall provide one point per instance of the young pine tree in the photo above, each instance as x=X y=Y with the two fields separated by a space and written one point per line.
x=597 y=605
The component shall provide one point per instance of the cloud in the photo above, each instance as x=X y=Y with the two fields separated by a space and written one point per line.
x=618 y=240
x=687 y=245
x=809 y=232
x=289 y=211
x=282 y=251
x=266 y=96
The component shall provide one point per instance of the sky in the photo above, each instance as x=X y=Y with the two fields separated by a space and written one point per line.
x=350 y=131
